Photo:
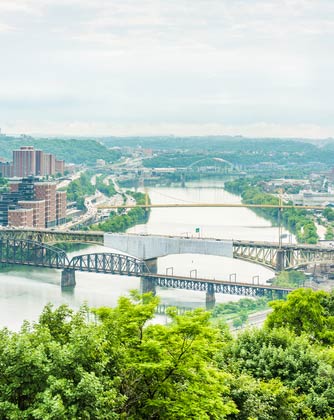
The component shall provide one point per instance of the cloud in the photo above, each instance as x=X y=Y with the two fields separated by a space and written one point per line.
x=215 y=64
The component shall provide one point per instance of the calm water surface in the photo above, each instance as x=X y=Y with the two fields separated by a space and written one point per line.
x=25 y=291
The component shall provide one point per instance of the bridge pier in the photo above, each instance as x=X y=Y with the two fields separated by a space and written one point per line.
x=147 y=284
x=67 y=278
x=280 y=260
x=210 y=298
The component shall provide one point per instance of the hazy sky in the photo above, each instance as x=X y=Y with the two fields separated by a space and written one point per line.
x=95 y=67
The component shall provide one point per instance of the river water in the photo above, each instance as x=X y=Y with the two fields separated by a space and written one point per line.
x=25 y=291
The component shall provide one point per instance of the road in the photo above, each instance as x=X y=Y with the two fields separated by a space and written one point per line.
x=254 y=320
x=93 y=202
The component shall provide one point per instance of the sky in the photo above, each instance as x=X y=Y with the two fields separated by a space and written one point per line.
x=157 y=67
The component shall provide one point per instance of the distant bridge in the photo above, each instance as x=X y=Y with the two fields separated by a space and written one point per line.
x=30 y=253
x=275 y=256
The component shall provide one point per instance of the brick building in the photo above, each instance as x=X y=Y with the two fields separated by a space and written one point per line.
x=20 y=217
x=47 y=191
x=45 y=207
x=28 y=161
x=38 y=208
x=24 y=161
x=61 y=205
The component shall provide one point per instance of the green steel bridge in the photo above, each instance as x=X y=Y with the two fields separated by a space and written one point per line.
x=31 y=253
x=275 y=256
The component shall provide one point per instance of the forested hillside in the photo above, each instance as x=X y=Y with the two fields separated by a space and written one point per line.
x=71 y=150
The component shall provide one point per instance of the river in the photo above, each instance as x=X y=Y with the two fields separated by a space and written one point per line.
x=25 y=291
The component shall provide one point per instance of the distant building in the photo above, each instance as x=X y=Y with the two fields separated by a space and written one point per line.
x=24 y=161
x=60 y=166
x=311 y=198
x=71 y=167
x=6 y=169
x=40 y=164
x=100 y=162
x=28 y=161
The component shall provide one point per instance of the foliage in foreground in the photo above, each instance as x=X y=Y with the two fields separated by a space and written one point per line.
x=118 y=365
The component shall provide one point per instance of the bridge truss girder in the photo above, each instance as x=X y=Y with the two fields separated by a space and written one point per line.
x=109 y=263
x=23 y=252
x=225 y=288
x=285 y=258
x=53 y=236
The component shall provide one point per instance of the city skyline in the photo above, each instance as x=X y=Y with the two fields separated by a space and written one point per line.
x=260 y=68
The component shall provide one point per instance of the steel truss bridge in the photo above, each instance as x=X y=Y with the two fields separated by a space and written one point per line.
x=275 y=256
x=31 y=253
x=282 y=257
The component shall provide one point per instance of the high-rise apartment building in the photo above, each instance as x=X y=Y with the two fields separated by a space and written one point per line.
x=24 y=161
x=61 y=205
x=60 y=166
x=40 y=166
x=45 y=207
x=6 y=169
x=20 y=217
x=23 y=190
x=38 y=208
x=28 y=161
x=49 y=164
x=47 y=191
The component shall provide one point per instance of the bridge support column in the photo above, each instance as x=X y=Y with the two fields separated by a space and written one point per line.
x=280 y=260
x=152 y=265
x=67 y=278
x=210 y=298
x=147 y=284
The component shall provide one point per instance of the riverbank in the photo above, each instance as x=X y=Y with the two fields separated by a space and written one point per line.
x=298 y=222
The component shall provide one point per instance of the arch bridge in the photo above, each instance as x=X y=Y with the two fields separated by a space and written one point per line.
x=30 y=253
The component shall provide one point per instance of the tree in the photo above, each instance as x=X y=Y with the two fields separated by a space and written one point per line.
x=329 y=214
x=290 y=279
x=304 y=311
x=55 y=369
x=168 y=371
x=283 y=366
